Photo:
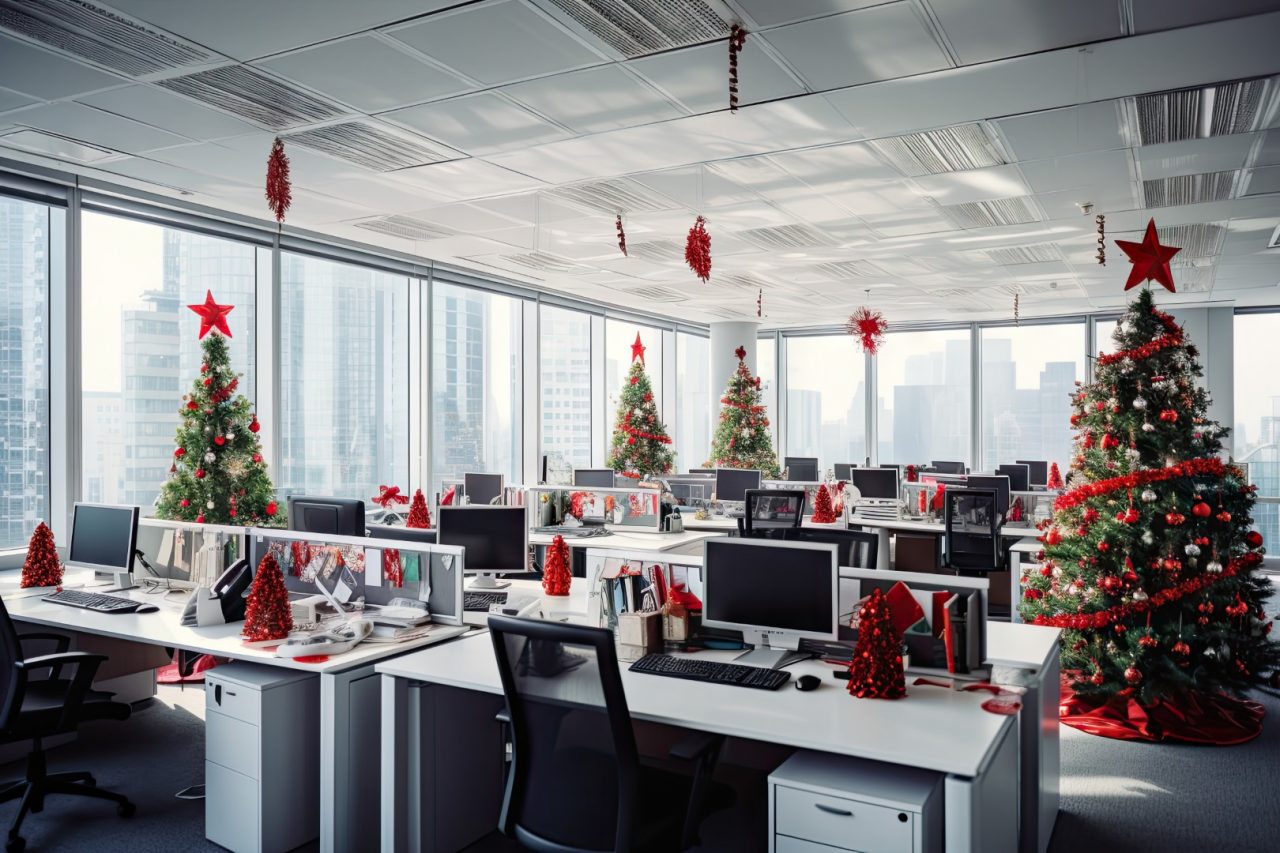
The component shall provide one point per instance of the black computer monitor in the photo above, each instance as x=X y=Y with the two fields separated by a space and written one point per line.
x=998 y=482
x=1038 y=471
x=703 y=472
x=844 y=471
x=732 y=483
x=404 y=534
x=947 y=467
x=1019 y=475
x=740 y=592
x=337 y=516
x=482 y=488
x=878 y=483
x=103 y=537
x=593 y=478
x=496 y=539
x=801 y=469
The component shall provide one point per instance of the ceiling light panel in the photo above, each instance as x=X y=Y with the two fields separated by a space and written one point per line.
x=1199 y=113
x=371 y=146
x=405 y=227
x=543 y=262
x=1189 y=189
x=249 y=94
x=638 y=27
x=1198 y=241
x=950 y=149
x=990 y=214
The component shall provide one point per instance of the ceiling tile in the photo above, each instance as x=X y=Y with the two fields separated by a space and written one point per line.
x=1152 y=15
x=165 y=175
x=168 y=111
x=367 y=73
x=696 y=187
x=483 y=123
x=983 y=30
x=1269 y=153
x=908 y=223
x=1263 y=181
x=973 y=185
x=466 y=179
x=1215 y=154
x=771 y=13
x=1055 y=133
x=10 y=100
x=1106 y=198
x=85 y=123
x=834 y=165
x=1079 y=170
x=45 y=75
x=695 y=76
x=496 y=42
x=848 y=49
x=595 y=99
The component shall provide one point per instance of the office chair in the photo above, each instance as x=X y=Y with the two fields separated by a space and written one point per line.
x=33 y=708
x=972 y=539
x=576 y=783
x=773 y=508
x=855 y=548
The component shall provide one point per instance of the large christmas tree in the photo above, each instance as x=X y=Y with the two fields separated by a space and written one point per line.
x=1150 y=562
x=641 y=446
x=218 y=474
x=742 y=436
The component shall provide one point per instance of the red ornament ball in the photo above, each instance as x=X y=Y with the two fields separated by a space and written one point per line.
x=1096 y=679
x=208 y=380
x=193 y=405
x=184 y=503
x=271 y=508
x=1224 y=517
x=635 y=379
x=1253 y=539
x=253 y=424
x=1169 y=416
x=1201 y=509
x=1132 y=675
x=257 y=458
x=204 y=368
x=219 y=440
x=200 y=518
x=180 y=452
x=199 y=473
x=1173 y=519
x=233 y=512
x=1104 y=546
x=631 y=439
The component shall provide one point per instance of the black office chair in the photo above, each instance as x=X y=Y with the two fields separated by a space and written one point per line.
x=855 y=548
x=772 y=509
x=576 y=783
x=971 y=544
x=33 y=708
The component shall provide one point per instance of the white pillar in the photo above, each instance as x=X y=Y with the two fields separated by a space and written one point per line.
x=725 y=338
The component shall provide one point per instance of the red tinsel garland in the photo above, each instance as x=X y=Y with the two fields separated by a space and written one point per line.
x=1173 y=337
x=741 y=406
x=279 y=189
x=622 y=237
x=697 y=249
x=1191 y=468
x=868 y=325
x=737 y=39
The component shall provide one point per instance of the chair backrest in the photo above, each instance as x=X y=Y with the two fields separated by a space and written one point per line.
x=574 y=764
x=10 y=654
x=855 y=548
x=972 y=540
x=771 y=508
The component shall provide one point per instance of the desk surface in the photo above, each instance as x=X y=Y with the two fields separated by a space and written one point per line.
x=716 y=523
x=1021 y=645
x=630 y=541
x=914 y=525
x=1030 y=545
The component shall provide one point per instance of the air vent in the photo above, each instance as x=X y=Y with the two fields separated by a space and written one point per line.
x=1199 y=113
x=1189 y=189
x=785 y=237
x=370 y=146
x=1038 y=253
x=933 y=152
x=638 y=27
x=838 y=270
x=989 y=214
x=744 y=280
x=99 y=35
x=657 y=251
x=405 y=227
x=1203 y=240
x=246 y=93
x=621 y=195
x=542 y=262
x=657 y=294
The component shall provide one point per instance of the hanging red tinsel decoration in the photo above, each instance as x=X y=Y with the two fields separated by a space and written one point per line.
x=279 y=190
x=737 y=39
x=1101 y=220
x=870 y=327
x=622 y=237
x=760 y=303
x=697 y=249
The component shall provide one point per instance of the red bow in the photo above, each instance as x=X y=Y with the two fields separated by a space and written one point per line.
x=389 y=495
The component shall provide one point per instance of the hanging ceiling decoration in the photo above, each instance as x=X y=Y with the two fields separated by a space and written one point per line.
x=622 y=237
x=697 y=249
x=737 y=39
x=279 y=189
x=869 y=326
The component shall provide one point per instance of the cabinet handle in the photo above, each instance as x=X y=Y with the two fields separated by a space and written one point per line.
x=834 y=810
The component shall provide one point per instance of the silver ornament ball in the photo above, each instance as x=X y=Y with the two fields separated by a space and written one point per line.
x=1213 y=567
x=210 y=456
x=1192 y=550
x=209 y=504
x=1140 y=403
x=1148 y=496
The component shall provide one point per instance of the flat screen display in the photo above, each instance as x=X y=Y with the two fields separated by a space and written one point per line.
x=732 y=483
x=781 y=588
x=880 y=483
x=103 y=536
x=495 y=537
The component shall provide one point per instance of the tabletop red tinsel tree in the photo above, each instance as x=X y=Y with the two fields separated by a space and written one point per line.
x=742 y=438
x=556 y=575
x=1055 y=477
x=823 y=511
x=419 y=515
x=640 y=446
x=42 y=566
x=267 y=613
x=876 y=671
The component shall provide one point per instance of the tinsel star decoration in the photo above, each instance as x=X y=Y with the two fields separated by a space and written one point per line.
x=212 y=315
x=279 y=189
x=637 y=349
x=1150 y=259
x=697 y=249
x=622 y=237
x=870 y=327
x=737 y=39
x=740 y=352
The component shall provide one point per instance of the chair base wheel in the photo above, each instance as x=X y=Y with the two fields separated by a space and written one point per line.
x=126 y=809
x=15 y=845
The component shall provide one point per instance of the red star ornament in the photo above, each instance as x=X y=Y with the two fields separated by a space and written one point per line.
x=212 y=315
x=637 y=349
x=741 y=353
x=1150 y=260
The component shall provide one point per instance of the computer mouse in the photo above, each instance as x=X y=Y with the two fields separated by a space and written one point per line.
x=808 y=682
x=147 y=608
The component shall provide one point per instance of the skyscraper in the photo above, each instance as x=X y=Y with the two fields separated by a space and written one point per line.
x=565 y=388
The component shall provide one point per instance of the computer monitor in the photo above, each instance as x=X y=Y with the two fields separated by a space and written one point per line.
x=496 y=539
x=482 y=488
x=1019 y=475
x=339 y=516
x=703 y=472
x=732 y=483
x=947 y=467
x=775 y=593
x=877 y=483
x=844 y=471
x=104 y=538
x=404 y=534
x=998 y=482
x=593 y=478
x=801 y=469
x=1038 y=471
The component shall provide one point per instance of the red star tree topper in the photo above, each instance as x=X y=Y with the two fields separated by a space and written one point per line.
x=212 y=316
x=1150 y=260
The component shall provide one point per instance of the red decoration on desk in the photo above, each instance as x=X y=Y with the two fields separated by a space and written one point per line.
x=1150 y=260
x=556 y=575
x=938 y=498
x=388 y=495
x=1055 y=477
x=913 y=475
x=419 y=515
x=267 y=614
x=279 y=187
x=42 y=566
x=697 y=249
x=823 y=513
x=876 y=671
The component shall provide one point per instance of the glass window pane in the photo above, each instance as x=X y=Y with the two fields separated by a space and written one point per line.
x=1256 y=437
x=618 y=338
x=344 y=378
x=25 y=249
x=139 y=346
x=1103 y=330
x=1028 y=375
x=693 y=401
x=826 y=400
x=923 y=383
x=565 y=365
x=476 y=385
x=767 y=370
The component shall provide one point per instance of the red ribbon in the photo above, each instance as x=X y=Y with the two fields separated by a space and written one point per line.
x=389 y=495
x=1191 y=468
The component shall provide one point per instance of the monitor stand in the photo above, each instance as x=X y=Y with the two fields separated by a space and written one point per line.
x=773 y=657
x=486 y=582
x=120 y=581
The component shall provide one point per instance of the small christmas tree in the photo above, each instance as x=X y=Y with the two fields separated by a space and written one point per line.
x=218 y=474
x=742 y=436
x=267 y=614
x=823 y=512
x=419 y=515
x=42 y=566
x=556 y=576
x=876 y=672
x=641 y=446
x=1055 y=477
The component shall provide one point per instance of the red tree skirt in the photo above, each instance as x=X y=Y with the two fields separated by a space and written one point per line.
x=1193 y=717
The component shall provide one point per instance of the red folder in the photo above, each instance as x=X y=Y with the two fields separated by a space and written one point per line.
x=903 y=607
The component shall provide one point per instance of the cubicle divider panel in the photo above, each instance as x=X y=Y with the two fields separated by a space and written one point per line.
x=637 y=510
x=184 y=554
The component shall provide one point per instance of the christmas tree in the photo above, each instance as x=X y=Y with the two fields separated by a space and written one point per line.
x=267 y=614
x=641 y=446
x=1149 y=560
x=218 y=474
x=823 y=512
x=42 y=566
x=876 y=671
x=556 y=576
x=742 y=436
x=419 y=515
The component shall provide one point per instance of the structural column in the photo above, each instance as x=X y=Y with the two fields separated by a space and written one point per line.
x=725 y=338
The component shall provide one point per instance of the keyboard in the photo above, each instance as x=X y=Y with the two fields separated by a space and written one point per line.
x=574 y=532
x=695 y=669
x=94 y=601
x=480 y=601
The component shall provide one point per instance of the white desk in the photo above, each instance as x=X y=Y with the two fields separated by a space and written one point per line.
x=349 y=692
x=714 y=524
x=886 y=526
x=630 y=541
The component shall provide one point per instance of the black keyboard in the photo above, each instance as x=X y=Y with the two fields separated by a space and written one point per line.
x=480 y=601
x=94 y=601
x=695 y=669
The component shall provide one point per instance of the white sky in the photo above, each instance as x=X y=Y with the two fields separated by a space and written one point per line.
x=121 y=259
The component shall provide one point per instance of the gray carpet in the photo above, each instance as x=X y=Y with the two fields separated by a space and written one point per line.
x=1117 y=796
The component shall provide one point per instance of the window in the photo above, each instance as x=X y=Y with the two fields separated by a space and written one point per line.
x=1256 y=435
x=139 y=350
x=693 y=400
x=619 y=336
x=344 y=378
x=1102 y=332
x=476 y=385
x=923 y=388
x=767 y=370
x=826 y=400
x=29 y=235
x=564 y=353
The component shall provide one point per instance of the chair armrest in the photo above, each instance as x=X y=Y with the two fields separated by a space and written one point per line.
x=86 y=667
x=61 y=643
x=696 y=745
x=503 y=717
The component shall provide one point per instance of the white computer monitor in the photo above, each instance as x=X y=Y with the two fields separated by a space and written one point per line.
x=496 y=539
x=104 y=538
x=775 y=593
